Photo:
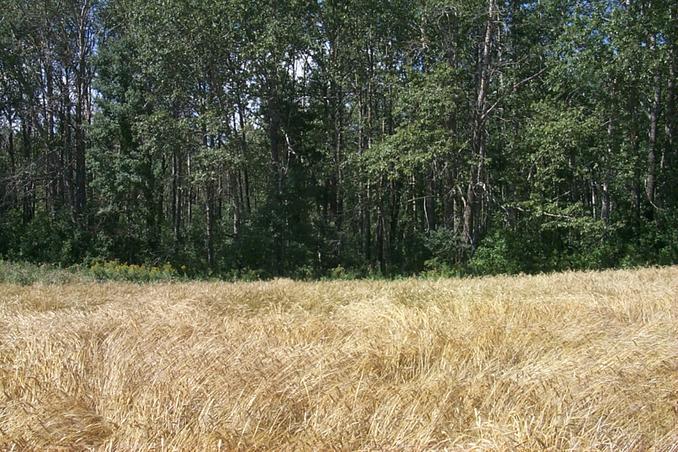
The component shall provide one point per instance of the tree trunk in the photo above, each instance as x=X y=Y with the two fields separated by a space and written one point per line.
x=26 y=180
x=605 y=207
x=12 y=158
x=243 y=151
x=176 y=199
x=651 y=178
x=380 y=239
x=209 y=226
x=477 y=169
x=82 y=86
x=669 y=160
x=394 y=245
x=367 y=225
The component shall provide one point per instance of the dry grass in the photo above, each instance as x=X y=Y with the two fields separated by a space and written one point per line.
x=575 y=360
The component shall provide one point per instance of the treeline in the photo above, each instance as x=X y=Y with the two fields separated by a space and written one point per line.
x=307 y=138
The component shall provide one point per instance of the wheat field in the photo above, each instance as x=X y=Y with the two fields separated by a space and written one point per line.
x=563 y=361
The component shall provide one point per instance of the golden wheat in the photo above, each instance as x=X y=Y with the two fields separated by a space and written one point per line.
x=567 y=361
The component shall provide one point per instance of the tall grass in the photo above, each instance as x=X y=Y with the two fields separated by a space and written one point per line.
x=566 y=361
x=28 y=273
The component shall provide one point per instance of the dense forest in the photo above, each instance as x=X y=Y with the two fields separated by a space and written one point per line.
x=312 y=138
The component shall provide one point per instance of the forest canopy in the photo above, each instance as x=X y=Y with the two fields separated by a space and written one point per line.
x=353 y=137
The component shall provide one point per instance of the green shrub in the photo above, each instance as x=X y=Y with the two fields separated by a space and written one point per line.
x=445 y=248
x=243 y=274
x=116 y=271
x=493 y=257
x=436 y=268
x=341 y=273
x=25 y=273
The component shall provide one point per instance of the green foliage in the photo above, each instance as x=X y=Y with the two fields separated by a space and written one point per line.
x=493 y=256
x=445 y=248
x=25 y=273
x=435 y=269
x=245 y=274
x=424 y=109
x=44 y=239
x=255 y=139
x=342 y=274
x=116 y=271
